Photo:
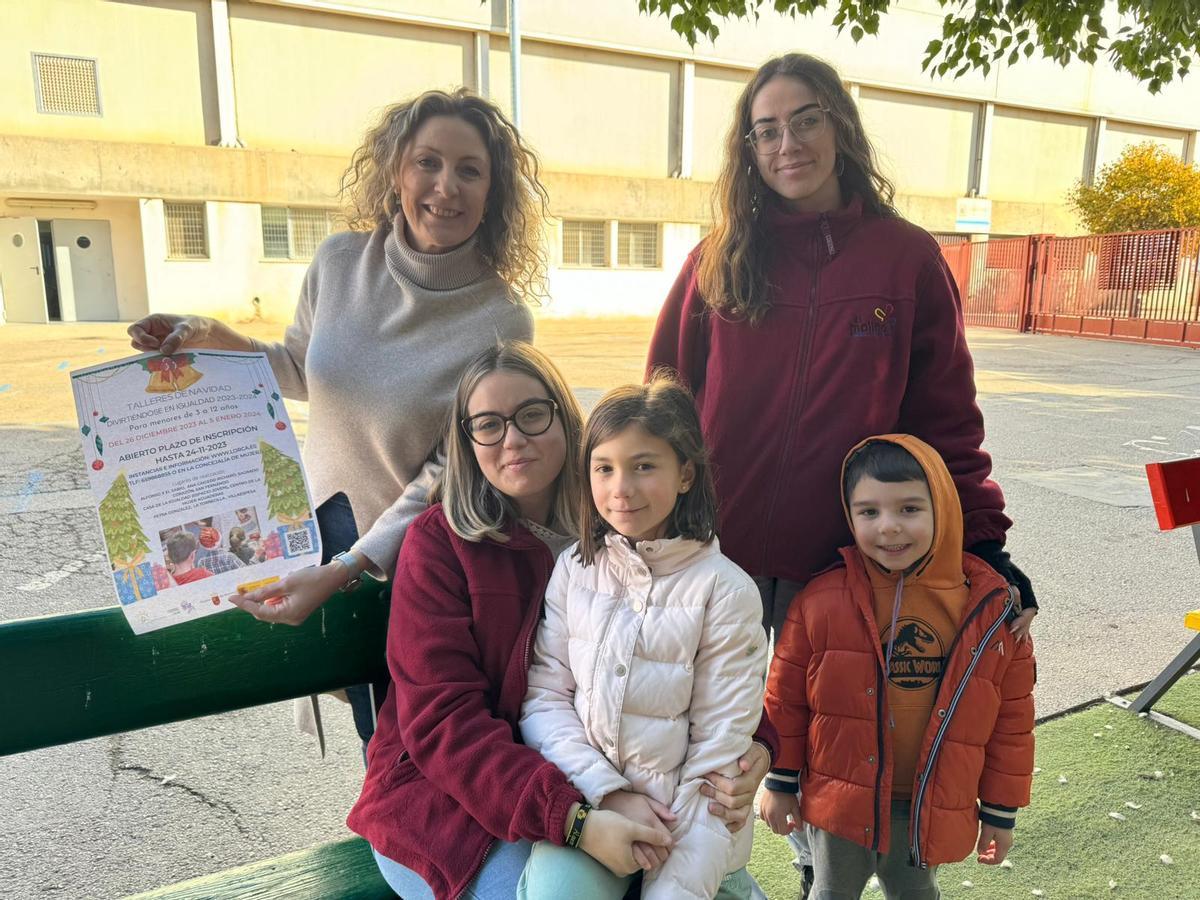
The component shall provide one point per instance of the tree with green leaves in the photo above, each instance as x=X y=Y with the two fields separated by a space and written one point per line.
x=123 y=535
x=1146 y=188
x=1157 y=42
x=287 y=498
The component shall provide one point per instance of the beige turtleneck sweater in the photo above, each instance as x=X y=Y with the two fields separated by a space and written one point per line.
x=380 y=336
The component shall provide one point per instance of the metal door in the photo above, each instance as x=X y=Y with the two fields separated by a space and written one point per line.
x=87 y=287
x=21 y=271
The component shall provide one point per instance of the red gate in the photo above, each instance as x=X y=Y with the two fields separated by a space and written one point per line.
x=1140 y=286
x=993 y=279
x=1135 y=286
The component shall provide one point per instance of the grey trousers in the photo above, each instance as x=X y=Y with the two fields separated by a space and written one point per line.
x=842 y=868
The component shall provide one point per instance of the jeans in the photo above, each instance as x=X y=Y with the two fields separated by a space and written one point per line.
x=335 y=520
x=497 y=880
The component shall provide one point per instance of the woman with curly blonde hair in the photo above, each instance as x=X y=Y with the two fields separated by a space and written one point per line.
x=814 y=297
x=443 y=256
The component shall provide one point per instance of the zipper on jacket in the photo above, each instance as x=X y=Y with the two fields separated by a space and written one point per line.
x=525 y=659
x=478 y=869
x=915 y=843
x=801 y=368
x=880 y=687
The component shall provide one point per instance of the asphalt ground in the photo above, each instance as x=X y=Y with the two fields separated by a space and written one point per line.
x=1071 y=424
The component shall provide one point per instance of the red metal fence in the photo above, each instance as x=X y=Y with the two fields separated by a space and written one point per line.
x=1141 y=286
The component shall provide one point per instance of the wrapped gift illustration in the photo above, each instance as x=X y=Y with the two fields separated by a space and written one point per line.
x=134 y=583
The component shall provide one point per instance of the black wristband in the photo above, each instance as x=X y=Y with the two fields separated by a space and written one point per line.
x=576 y=830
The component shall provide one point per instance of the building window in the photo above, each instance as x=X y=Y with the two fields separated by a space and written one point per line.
x=187 y=234
x=637 y=245
x=294 y=232
x=584 y=243
x=66 y=85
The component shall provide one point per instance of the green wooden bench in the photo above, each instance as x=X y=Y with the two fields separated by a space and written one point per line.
x=85 y=675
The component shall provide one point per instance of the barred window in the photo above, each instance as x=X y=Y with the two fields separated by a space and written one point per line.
x=187 y=233
x=294 y=232
x=66 y=85
x=275 y=232
x=637 y=245
x=584 y=243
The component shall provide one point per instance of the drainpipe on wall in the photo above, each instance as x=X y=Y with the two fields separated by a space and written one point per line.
x=514 y=56
x=223 y=63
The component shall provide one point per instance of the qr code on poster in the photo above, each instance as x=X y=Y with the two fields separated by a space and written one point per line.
x=299 y=542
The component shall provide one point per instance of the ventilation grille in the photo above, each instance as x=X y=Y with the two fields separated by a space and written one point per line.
x=66 y=85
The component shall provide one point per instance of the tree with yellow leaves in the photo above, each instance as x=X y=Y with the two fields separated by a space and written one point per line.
x=1145 y=189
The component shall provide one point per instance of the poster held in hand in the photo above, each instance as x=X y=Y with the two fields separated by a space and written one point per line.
x=197 y=477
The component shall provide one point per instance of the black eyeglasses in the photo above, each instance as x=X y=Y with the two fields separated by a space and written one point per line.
x=533 y=417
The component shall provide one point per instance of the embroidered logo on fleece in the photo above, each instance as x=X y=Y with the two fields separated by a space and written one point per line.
x=918 y=656
x=881 y=323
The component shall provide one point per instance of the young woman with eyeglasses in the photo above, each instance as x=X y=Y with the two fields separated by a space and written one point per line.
x=812 y=316
x=453 y=800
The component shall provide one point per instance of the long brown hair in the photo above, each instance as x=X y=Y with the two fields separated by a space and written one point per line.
x=474 y=508
x=732 y=274
x=665 y=408
x=510 y=235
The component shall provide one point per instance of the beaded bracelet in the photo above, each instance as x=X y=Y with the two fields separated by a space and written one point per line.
x=576 y=831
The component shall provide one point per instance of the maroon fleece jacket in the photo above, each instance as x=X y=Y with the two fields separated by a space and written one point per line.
x=864 y=336
x=447 y=773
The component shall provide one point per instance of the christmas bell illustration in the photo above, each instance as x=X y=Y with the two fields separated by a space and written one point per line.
x=170 y=374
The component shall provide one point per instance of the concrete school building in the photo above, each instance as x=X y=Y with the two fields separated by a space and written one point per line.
x=185 y=155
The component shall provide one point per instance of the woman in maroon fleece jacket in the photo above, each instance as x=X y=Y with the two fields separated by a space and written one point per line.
x=814 y=316
x=453 y=799
x=810 y=318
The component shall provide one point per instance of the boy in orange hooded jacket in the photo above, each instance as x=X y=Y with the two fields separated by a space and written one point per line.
x=904 y=706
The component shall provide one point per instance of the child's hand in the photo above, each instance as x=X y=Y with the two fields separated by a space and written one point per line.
x=780 y=811
x=611 y=839
x=994 y=844
x=1021 y=624
x=645 y=811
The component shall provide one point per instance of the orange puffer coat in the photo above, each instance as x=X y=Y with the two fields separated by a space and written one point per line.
x=826 y=695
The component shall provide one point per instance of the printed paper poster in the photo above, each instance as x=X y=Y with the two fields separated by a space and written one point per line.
x=197 y=477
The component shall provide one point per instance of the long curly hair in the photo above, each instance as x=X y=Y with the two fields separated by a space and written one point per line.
x=510 y=235
x=732 y=272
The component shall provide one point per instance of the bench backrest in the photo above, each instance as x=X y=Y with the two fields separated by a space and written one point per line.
x=71 y=677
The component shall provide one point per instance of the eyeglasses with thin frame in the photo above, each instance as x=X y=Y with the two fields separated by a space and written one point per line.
x=531 y=418
x=806 y=125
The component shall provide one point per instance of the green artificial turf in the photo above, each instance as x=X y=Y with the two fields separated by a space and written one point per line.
x=1067 y=845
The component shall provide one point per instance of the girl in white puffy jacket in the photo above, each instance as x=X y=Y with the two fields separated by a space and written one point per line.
x=649 y=664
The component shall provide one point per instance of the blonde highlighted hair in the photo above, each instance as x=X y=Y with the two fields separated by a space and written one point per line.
x=474 y=508
x=510 y=235
x=732 y=272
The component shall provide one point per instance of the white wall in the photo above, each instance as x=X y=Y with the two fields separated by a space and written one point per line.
x=618 y=292
x=224 y=284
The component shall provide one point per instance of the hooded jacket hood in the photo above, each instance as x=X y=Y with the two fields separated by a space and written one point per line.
x=942 y=567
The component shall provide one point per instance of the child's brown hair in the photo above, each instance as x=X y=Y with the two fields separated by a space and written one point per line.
x=665 y=408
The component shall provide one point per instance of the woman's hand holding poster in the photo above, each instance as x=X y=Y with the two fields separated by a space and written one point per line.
x=197 y=475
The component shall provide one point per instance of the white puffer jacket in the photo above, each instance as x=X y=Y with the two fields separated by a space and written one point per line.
x=648 y=674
